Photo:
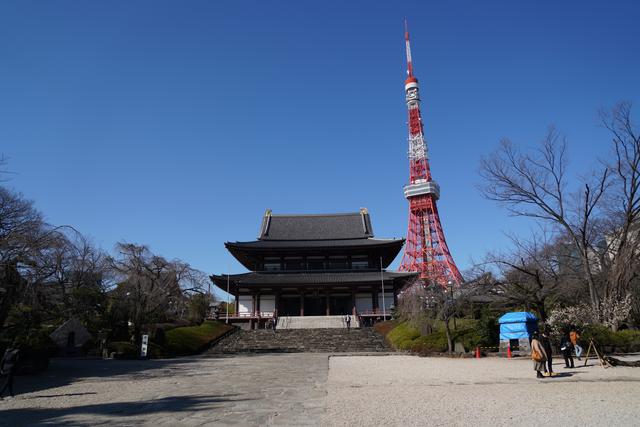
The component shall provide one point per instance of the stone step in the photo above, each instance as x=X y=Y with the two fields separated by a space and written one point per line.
x=302 y=340
x=315 y=322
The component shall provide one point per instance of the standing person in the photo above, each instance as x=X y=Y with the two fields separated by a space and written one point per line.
x=8 y=367
x=566 y=348
x=546 y=343
x=575 y=340
x=538 y=355
x=347 y=320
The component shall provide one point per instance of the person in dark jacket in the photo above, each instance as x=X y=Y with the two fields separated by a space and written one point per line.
x=347 y=320
x=566 y=347
x=8 y=367
x=546 y=344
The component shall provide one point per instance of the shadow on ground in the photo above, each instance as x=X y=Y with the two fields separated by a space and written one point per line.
x=173 y=404
x=65 y=371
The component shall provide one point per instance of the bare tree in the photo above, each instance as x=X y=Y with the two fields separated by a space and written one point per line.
x=536 y=274
x=151 y=287
x=78 y=271
x=21 y=230
x=534 y=185
x=424 y=305
x=621 y=258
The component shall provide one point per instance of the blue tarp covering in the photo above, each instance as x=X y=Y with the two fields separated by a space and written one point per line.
x=517 y=317
x=517 y=325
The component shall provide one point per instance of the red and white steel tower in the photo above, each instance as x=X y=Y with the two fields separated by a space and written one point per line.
x=426 y=249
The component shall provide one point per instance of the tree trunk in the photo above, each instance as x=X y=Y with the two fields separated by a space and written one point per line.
x=542 y=312
x=10 y=280
x=593 y=291
x=447 y=331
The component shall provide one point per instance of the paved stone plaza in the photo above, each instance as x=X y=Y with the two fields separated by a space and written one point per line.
x=315 y=389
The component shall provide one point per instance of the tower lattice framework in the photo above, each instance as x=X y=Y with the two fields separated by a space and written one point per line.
x=426 y=249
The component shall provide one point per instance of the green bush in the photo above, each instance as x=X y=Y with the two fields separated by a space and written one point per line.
x=36 y=348
x=123 y=350
x=402 y=336
x=435 y=342
x=126 y=350
x=621 y=341
x=193 y=339
x=629 y=336
x=383 y=328
x=469 y=332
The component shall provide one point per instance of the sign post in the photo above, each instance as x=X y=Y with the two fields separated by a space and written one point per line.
x=145 y=344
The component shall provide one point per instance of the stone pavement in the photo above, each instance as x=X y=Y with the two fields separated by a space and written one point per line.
x=304 y=389
x=274 y=389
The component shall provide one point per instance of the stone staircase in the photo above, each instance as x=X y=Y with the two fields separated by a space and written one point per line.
x=315 y=322
x=328 y=340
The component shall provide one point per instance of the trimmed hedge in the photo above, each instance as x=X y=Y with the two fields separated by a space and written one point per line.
x=383 y=328
x=625 y=341
x=126 y=350
x=36 y=349
x=193 y=339
x=402 y=337
x=470 y=333
x=181 y=341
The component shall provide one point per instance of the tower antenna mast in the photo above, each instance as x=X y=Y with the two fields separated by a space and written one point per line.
x=426 y=249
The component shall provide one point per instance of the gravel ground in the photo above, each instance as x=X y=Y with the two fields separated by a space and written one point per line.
x=407 y=391
x=318 y=389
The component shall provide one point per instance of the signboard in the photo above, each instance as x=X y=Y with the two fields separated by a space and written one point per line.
x=145 y=344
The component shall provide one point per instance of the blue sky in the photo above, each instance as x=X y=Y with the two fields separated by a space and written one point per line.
x=176 y=124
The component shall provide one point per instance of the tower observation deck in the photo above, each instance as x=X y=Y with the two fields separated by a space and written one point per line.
x=426 y=249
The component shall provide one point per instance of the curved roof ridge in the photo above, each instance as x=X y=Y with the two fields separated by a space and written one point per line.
x=335 y=226
x=317 y=214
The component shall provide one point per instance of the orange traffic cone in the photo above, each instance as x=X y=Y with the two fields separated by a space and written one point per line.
x=477 y=352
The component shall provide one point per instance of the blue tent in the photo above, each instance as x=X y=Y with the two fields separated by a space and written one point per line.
x=517 y=325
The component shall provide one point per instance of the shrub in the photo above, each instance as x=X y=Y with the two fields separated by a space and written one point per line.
x=622 y=341
x=193 y=339
x=126 y=350
x=383 y=328
x=435 y=342
x=402 y=336
x=36 y=349
x=123 y=350
x=488 y=331
x=470 y=333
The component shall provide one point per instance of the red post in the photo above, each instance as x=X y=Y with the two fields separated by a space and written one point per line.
x=509 y=351
x=478 y=352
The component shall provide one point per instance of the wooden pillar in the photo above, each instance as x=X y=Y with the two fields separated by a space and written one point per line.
x=237 y=296
x=301 y=303
x=277 y=303
x=328 y=303
x=258 y=302
x=395 y=295
x=253 y=304
x=252 y=323
x=374 y=296
x=353 y=302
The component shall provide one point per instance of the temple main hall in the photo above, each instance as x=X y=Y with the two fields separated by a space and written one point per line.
x=314 y=265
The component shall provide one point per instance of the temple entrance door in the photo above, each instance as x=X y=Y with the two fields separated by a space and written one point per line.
x=340 y=305
x=289 y=306
x=315 y=306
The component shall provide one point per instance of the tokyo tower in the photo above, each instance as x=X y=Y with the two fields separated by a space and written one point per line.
x=426 y=250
